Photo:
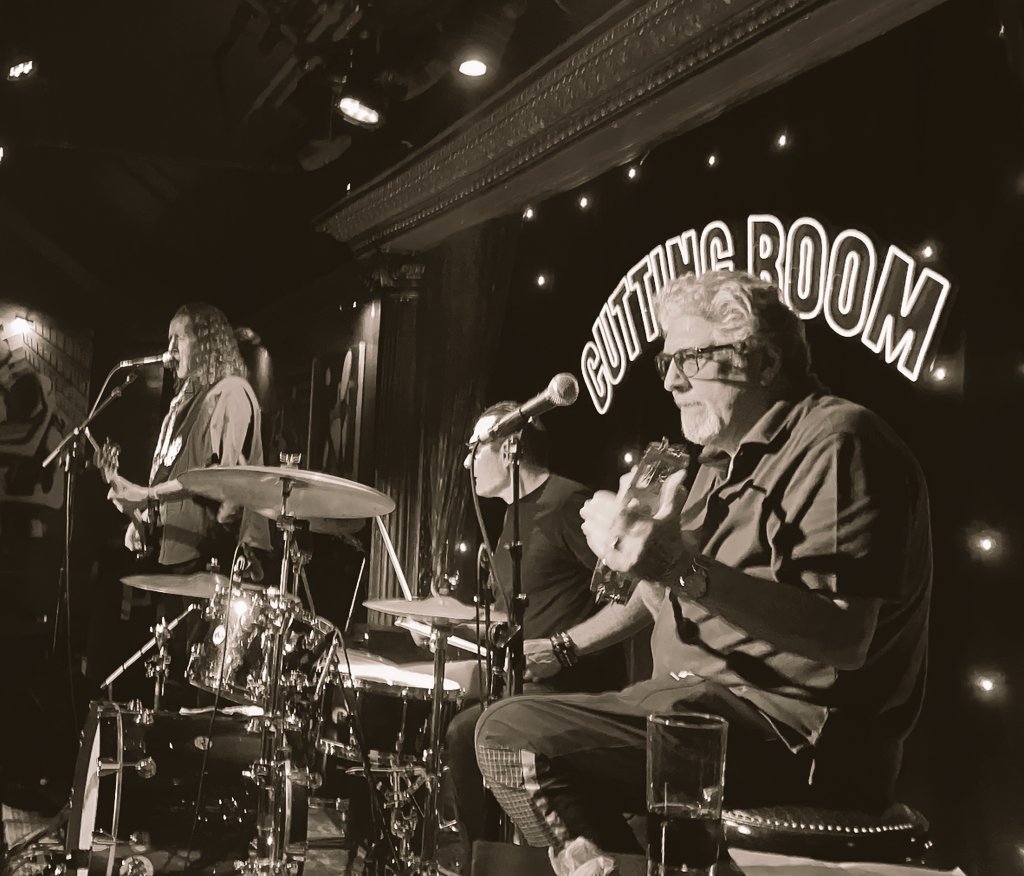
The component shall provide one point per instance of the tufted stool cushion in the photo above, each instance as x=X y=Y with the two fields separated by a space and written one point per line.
x=897 y=835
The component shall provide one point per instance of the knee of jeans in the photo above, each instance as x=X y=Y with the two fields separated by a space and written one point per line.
x=505 y=725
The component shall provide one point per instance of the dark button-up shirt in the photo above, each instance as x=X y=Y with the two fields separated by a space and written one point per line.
x=820 y=495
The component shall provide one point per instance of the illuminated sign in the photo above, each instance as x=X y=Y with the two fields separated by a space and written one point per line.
x=893 y=304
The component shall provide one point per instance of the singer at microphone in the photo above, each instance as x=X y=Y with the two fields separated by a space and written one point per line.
x=562 y=391
x=166 y=359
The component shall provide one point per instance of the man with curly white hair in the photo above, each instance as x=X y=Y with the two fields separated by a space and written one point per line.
x=788 y=587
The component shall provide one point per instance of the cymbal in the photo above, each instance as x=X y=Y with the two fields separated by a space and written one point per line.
x=199 y=584
x=313 y=494
x=436 y=609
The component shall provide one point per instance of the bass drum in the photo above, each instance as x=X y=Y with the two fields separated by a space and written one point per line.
x=158 y=792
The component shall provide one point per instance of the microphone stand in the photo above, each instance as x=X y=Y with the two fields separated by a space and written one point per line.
x=517 y=603
x=69 y=451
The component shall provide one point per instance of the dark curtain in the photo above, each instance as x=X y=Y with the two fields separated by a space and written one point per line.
x=397 y=451
x=462 y=311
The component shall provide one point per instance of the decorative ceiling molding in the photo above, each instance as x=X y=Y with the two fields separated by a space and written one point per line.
x=650 y=73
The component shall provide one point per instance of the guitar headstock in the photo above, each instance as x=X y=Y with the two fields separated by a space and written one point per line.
x=108 y=459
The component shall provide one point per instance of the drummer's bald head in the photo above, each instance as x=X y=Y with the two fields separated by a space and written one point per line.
x=533 y=440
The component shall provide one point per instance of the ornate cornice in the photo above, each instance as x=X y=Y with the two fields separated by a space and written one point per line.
x=621 y=69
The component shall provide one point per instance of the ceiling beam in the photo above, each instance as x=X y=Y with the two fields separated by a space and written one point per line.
x=641 y=76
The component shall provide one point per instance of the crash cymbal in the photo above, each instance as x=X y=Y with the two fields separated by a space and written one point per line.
x=436 y=609
x=313 y=494
x=199 y=584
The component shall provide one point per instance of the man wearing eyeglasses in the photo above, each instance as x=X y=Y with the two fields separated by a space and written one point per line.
x=788 y=587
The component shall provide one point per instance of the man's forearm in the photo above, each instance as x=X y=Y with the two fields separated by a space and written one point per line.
x=611 y=624
x=791 y=617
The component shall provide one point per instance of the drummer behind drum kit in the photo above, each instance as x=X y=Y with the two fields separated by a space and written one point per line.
x=226 y=789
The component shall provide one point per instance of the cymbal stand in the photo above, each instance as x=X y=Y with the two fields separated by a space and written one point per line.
x=157 y=665
x=440 y=633
x=272 y=853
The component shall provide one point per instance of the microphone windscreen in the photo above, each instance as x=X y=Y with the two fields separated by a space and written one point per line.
x=563 y=389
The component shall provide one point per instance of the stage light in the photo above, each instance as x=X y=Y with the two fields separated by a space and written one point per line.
x=21 y=70
x=713 y=160
x=473 y=67
x=985 y=544
x=989 y=685
x=782 y=140
x=583 y=202
x=528 y=213
x=359 y=113
x=20 y=325
x=627 y=458
x=541 y=280
x=939 y=374
x=463 y=547
x=929 y=250
x=632 y=172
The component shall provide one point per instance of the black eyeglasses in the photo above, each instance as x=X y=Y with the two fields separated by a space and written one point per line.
x=689 y=361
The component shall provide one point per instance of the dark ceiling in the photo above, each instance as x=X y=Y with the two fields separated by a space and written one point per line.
x=182 y=150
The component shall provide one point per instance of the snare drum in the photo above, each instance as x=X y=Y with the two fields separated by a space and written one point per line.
x=159 y=791
x=232 y=656
x=392 y=705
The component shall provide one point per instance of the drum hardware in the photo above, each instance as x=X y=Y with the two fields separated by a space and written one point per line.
x=156 y=666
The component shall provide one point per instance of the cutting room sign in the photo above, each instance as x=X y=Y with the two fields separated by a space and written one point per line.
x=881 y=295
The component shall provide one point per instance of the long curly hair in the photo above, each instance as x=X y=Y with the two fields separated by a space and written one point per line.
x=214 y=353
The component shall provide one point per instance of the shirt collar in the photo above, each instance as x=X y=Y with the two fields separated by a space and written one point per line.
x=772 y=428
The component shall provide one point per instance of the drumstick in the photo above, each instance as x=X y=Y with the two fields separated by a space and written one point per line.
x=394 y=558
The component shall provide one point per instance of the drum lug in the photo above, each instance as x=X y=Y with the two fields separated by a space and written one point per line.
x=259 y=772
x=146 y=768
x=306 y=777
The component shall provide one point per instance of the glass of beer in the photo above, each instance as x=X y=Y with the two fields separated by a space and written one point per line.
x=642 y=498
x=685 y=781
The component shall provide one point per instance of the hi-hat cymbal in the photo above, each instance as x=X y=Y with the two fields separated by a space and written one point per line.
x=199 y=584
x=260 y=488
x=436 y=609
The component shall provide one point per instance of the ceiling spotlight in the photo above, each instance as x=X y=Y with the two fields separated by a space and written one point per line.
x=632 y=172
x=21 y=70
x=541 y=280
x=782 y=141
x=473 y=67
x=528 y=213
x=358 y=112
x=713 y=159
x=583 y=202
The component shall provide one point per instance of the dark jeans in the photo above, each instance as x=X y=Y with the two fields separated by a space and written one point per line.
x=569 y=766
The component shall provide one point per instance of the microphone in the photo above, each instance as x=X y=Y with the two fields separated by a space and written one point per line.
x=561 y=392
x=164 y=358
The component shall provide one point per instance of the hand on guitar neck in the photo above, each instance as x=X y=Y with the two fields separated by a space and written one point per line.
x=130 y=499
